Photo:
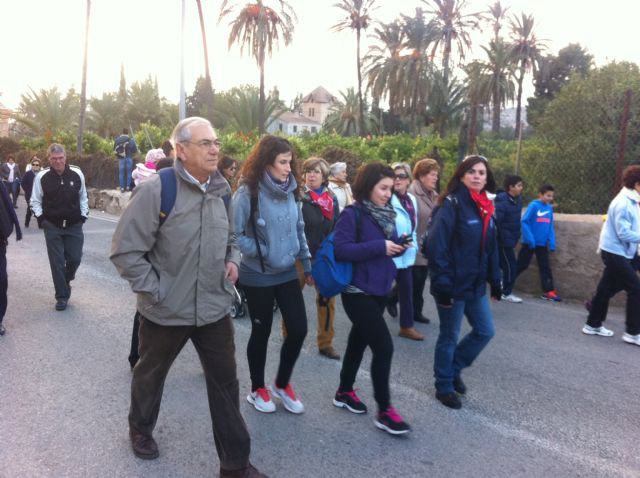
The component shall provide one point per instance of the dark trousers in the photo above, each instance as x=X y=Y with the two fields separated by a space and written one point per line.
x=14 y=189
x=509 y=268
x=4 y=279
x=134 y=355
x=291 y=303
x=542 y=256
x=619 y=274
x=420 y=274
x=64 y=246
x=159 y=346
x=368 y=329
x=27 y=217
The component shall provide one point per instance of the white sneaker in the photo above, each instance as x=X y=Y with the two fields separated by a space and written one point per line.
x=288 y=397
x=511 y=298
x=261 y=400
x=631 y=339
x=602 y=331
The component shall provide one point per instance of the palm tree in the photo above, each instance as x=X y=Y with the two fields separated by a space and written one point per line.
x=357 y=18
x=446 y=101
x=83 y=90
x=499 y=67
x=239 y=108
x=526 y=52
x=48 y=113
x=454 y=26
x=258 y=28
x=478 y=92
x=497 y=14
x=344 y=116
x=105 y=115
x=207 y=74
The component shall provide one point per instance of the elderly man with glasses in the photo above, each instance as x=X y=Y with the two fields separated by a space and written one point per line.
x=183 y=271
x=60 y=204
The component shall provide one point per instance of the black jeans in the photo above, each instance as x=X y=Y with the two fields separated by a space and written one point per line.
x=509 y=268
x=542 y=256
x=4 y=279
x=291 y=303
x=64 y=247
x=369 y=329
x=619 y=274
x=159 y=347
x=420 y=274
x=134 y=356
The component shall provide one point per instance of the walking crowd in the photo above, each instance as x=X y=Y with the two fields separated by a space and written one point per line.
x=268 y=225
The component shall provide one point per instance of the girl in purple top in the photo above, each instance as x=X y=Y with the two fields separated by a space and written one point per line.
x=365 y=235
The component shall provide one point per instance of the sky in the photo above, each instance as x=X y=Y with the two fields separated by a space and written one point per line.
x=43 y=43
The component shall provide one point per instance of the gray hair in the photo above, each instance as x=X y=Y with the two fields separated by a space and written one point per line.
x=337 y=168
x=55 y=148
x=182 y=132
x=404 y=166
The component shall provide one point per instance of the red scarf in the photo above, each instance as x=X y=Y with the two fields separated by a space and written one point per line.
x=485 y=208
x=325 y=201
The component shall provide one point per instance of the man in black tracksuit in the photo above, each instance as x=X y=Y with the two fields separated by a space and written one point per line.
x=60 y=204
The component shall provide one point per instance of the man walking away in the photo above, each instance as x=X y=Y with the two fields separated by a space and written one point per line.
x=125 y=147
x=60 y=204
x=184 y=288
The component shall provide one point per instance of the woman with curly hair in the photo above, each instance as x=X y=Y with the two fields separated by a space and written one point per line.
x=270 y=231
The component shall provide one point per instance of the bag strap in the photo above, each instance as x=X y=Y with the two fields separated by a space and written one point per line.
x=169 y=187
x=252 y=219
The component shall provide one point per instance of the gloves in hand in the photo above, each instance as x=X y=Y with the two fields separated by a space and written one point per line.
x=443 y=299
x=496 y=291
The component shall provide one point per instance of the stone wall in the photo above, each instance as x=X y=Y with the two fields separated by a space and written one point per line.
x=576 y=266
x=111 y=201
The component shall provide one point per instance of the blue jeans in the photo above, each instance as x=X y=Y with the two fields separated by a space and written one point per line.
x=450 y=356
x=125 y=168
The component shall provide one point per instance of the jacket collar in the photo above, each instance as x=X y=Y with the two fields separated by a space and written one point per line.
x=218 y=186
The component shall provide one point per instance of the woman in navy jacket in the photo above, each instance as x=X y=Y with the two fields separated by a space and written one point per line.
x=463 y=257
x=365 y=235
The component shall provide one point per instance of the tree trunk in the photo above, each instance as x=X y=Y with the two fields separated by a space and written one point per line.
x=361 y=125
x=83 y=91
x=261 y=119
x=207 y=73
x=519 y=103
x=445 y=76
x=495 y=123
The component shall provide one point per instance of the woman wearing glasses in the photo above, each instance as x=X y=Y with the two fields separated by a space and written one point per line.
x=229 y=168
x=406 y=208
x=270 y=232
x=463 y=257
x=27 y=186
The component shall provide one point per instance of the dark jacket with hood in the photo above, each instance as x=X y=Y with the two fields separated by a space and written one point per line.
x=508 y=212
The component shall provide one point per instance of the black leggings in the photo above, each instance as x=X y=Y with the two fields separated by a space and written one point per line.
x=260 y=302
x=369 y=329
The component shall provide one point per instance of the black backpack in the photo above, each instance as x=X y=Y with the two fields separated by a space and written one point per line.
x=121 y=149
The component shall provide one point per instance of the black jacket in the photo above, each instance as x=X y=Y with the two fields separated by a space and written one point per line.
x=508 y=212
x=316 y=226
x=61 y=197
x=459 y=267
x=27 y=184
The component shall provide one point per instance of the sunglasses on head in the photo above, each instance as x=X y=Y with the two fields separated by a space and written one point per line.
x=401 y=176
x=476 y=156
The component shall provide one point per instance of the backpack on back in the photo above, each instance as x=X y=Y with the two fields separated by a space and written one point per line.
x=168 y=191
x=331 y=276
x=121 y=149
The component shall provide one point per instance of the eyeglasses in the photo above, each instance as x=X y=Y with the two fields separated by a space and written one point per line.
x=206 y=143
x=401 y=176
x=35 y=165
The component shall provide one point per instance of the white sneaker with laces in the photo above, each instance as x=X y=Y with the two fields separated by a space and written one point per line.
x=602 y=331
x=261 y=400
x=631 y=339
x=511 y=298
x=288 y=397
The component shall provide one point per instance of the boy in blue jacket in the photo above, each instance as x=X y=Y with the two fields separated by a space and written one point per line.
x=539 y=237
x=508 y=212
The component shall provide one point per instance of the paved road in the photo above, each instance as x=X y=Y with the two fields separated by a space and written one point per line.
x=544 y=400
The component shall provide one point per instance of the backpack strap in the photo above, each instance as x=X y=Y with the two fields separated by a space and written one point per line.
x=252 y=219
x=169 y=187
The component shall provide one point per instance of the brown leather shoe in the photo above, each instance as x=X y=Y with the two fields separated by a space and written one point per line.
x=329 y=352
x=410 y=333
x=248 y=472
x=143 y=446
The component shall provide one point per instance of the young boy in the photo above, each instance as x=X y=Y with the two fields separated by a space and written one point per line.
x=508 y=212
x=538 y=236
